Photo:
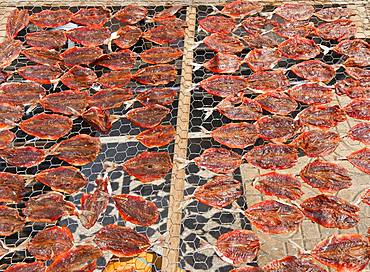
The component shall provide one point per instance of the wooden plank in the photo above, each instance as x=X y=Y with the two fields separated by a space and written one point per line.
x=172 y=243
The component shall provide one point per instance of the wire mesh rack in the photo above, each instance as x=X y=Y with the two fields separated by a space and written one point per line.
x=183 y=228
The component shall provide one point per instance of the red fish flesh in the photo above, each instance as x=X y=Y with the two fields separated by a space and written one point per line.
x=89 y=35
x=272 y=156
x=160 y=96
x=78 y=150
x=10 y=115
x=136 y=209
x=275 y=102
x=131 y=14
x=311 y=93
x=91 y=16
x=157 y=55
x=49 y=39
x=333 y=13
x=110 y=98
x=219 y=192
x=223 y=63
x=217 y=24
x=294 y=29
x=12 y=187
x=10 y=221
x=164 y=34
x=358 y=109
x=48 y=208
x=148 y=116
x=128 y=36
x=25 y=156
x=155 y=75
x=219 y=160
x=158 y=136
x=99 y=119
x=314 y=70
x=115 y=79
x=149 y=166
x=21 y=93
x=17 y=20
x=262 y=59
x=284 y=186
x=9 y=51
x=326 y=176
x=42 y=74
x=340 y=29
x=42 y=56
x=361 y=133
x=236 y=135
x=51 y=18
x=295 y=11
x=265 y=81
x=224 y=85
x=293 y=263
x=238 y=107
x=276 y=129
x=360 y=159
x=78 y=78
x=322 y=116
x=223 y=43
x=65 y=179
x=6 y=138
x=120 y=60
x=273 y=217
x=240 y=9
x=26 y=267
x=299 y=48
x=66 y=102
x=81 y=55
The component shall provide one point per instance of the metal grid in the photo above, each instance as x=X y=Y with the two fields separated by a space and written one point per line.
x=112 y=150
x=201 y=223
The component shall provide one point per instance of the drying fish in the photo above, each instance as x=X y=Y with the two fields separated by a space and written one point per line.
x=131 y=14
x=120 y=60
x=17 y=20
x=115 y=79
x=322 y=116
x=311 y=93
x=295 y=11
x=136 y=209
x=262 y=59
x=326 y=176
x=356 y=48
x=247 y=269
x=89 y=35
x=50 y=243
x=274 y=217
x=9 y=51
x=224 y=85
x=241 y=9
x=223 y=63
x=148 y=166
x=333 y=13
x=358 y=109
x=99 y=119
x=238 y=107
x=65 y=179
x=223 y=43
x=110 y=98
x=217 y=24
x=94 y=204
x=366 y=197
x=219 y=192
x=21 y=93
x=343 y=252
x=47 y=126
x=155 y=75
x=12 y=187
x=78 y=78
x=294 y=29
x=6 y=138
x=49 y=39
x=337 y=30
x=318 y=143
x=81 y=55
x=42 y=74
x=358 y=73
x=4 y=76
x=148 y=116
x=48 y=208
x=128 y=36
x=158 y=55
x=276 y=128
x=238 y=246
x=164 y=34
x=10 y=221
x=78 y=150
x=26 y=267
x=66 y=102
x=9 y=115
x=51 y=18
x=353 y=88
x=91 y=16
x=42 y=56
x=257 y=24
x=314 y=70
x=236 y=135
x=272 y=156
x=283 y=186
x=299 y=48
x=121 y=241
x=167 y=13
x=359 y=132
x=78 y=258
x=258 y=40
x=276 y=102
x=219 y=160
x=158 y=136
x=293 y=263
x=24 y=156
x=331 y=211
x=360 y=159
x=160 y=96
x=265 y=81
